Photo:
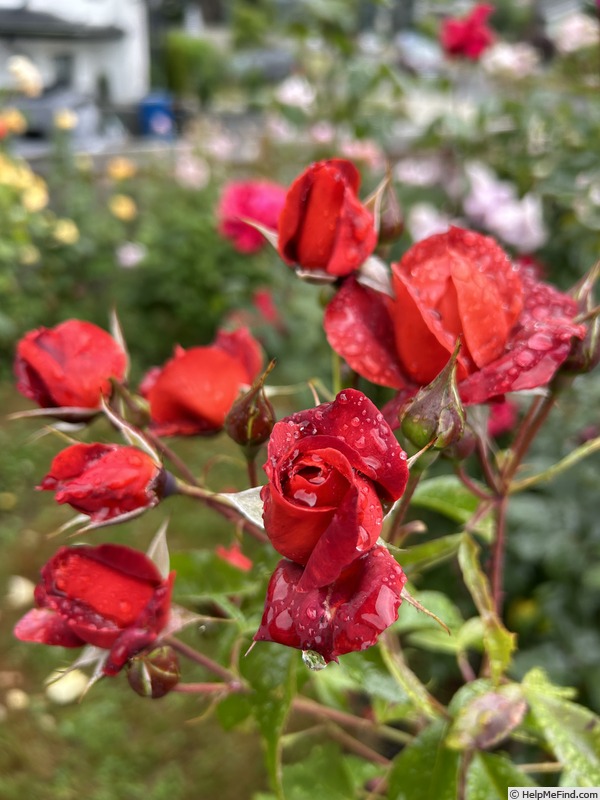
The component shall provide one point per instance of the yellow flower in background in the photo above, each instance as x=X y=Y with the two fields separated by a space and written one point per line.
x=35 y=197
x=15 y=173
x=123 y=207
x=120 y=168
x=66 y=231
x=29 y=254
x=27 y=76
x=65 y=119
x=84 y=162
x=14 y=120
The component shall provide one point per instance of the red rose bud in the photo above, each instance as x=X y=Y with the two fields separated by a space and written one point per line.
x=70 y=365
x=105 y=481
x=391 y=222
x=332 y=470
x=154 y=673
x=251 y=418
x=436 y=413
x=345 y=616
x=323 y=225
x=111 y=596
x=585 y=354
x=194 y=391
x=515 y=330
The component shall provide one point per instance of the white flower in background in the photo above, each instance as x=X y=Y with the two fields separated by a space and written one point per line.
x=129 y=254
x=296 y=91
x=424 y=219
x=19 y=592
x=486 y=192
x=66 y=687
x=576 y=32
x=365 y=150
x=191 y=171
x=419 y=171
x=495 y=206
x=520 y=224
x=322 y=132
x=510 y=60
x=220 y=145
x=280 y=130
x=27 y=76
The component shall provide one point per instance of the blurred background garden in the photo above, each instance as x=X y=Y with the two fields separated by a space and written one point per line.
x=121 y=123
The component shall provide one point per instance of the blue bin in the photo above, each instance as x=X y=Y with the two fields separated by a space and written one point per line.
x=156 y=116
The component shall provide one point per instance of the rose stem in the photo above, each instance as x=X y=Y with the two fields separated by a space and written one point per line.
x=362 y=750
x=252 y=476
x=227 y=511
x=497 y=562
x=469 y=484
x=200 y=658
x=396 y=534
x=173 y=458
x=306 y=706
x=336 y=372
x=205 y=688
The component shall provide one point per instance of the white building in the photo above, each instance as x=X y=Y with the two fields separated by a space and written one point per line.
x=94 y=47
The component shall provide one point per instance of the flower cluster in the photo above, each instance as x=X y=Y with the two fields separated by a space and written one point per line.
x=333 y=472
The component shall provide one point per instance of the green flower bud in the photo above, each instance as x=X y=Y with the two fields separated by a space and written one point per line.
x=251 y=418
x=585 y=353
x=436 y=413
x=153 y=673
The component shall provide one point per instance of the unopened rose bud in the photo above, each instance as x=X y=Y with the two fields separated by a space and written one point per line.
x=585 y=353
x=154 y=673
x=391 y=222
x=436 y=413
x=251 y=418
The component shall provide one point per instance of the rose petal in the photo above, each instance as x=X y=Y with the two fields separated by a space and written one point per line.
x=343 y=617
x=359 y=328
x=46 y=627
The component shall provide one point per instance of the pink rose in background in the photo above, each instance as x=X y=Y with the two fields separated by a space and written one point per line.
x=261 y=201
x=468 y=37
x=503 y=417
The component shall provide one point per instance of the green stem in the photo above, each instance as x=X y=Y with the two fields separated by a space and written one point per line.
x=583 y=451
x=336 y=372
x=497 y=563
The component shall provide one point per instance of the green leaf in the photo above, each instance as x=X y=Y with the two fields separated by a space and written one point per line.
x=326 y=773
x=571 y=731
x=271 y=672
x=436 y=602
x=425 y=769
x=409 y=683
x=498 y=642
x=449 y=497
x=429 y=554
x=362 y=672
x=490 y=775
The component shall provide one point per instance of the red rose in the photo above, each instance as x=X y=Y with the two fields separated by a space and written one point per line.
x=323 y=225
x=345 y=616
x=468 y=36
x=260 y=201
x=109 y=596
x=105 y=480
x=331 y=470
x=515 y=330
x=194 y=391
x=69 y=365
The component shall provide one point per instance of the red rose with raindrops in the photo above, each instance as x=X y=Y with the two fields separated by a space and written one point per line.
x=111 y=597
x=194 y=391
x=515 y=330
x=105 y=481
x=333 y=471
x=332 y=620
x=323 y=225
x=69 y=366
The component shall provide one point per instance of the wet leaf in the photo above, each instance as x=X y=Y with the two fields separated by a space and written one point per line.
x=490 y=775
x=447 y=495
x=425 y=769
